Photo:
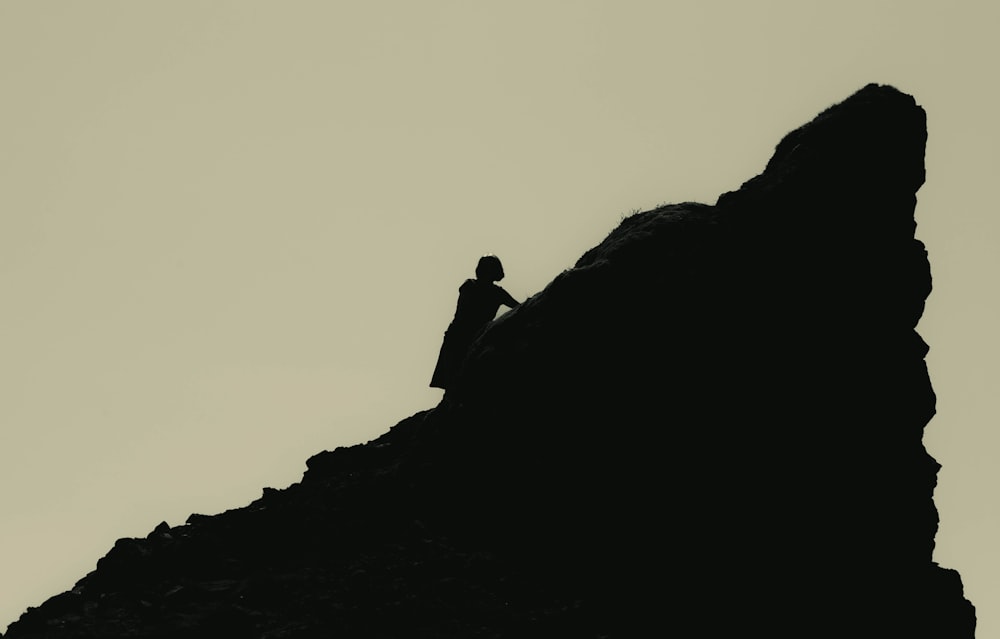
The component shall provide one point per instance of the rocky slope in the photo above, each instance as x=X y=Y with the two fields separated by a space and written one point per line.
x=711 y=426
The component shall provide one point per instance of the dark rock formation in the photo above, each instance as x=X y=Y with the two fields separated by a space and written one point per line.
x=709 y=427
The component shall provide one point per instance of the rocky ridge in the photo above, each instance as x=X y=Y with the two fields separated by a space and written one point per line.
x=710 y=426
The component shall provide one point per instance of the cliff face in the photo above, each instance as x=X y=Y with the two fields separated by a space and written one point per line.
x=710 y=426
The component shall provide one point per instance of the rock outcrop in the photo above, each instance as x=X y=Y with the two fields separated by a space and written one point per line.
x=710 y=426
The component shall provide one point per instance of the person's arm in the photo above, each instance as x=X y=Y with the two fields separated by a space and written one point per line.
x=507 y=300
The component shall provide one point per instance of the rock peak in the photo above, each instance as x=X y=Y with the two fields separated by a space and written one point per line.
x=712 y=425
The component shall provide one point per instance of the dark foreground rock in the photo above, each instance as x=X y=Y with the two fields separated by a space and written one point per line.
x=711 y=426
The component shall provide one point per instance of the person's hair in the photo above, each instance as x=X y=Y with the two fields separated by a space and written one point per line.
x=489 y=268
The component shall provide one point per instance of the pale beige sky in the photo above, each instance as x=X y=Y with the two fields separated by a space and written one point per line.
x=231 y=232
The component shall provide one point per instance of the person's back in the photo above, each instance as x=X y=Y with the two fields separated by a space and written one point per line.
x=478 y=302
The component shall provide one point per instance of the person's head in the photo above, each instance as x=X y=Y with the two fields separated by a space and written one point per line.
x=489 y=268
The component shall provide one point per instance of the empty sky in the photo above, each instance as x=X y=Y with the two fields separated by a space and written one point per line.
x=232 y=232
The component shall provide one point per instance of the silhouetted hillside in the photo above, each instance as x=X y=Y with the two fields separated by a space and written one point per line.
x=711 y=426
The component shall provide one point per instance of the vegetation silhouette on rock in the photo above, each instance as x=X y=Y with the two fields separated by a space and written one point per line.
x=728 y=444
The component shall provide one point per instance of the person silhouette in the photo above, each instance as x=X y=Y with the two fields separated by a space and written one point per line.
x=478 y=301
